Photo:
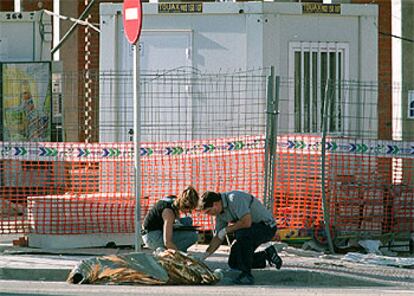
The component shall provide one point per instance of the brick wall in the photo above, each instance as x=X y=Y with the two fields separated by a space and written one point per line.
x=26 y=5
x=94 y=36
x=30 y=5
x=88 y=59
x=6 y=5
x=384 y=67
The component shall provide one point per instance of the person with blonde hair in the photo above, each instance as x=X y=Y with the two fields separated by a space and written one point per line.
x=158 y=227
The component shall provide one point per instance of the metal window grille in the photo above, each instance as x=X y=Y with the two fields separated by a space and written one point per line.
x=312 y=64
x=411 y=104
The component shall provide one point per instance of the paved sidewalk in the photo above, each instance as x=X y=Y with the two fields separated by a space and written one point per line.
x=300 y=269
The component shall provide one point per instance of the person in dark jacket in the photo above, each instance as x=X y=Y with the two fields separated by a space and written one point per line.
x=244 y=215
x=158 y=227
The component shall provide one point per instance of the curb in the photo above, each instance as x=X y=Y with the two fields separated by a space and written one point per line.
x=40 y=274
x=296 y=277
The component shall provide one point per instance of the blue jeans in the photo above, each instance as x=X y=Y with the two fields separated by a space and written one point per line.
x=182 y=239
x=242 y=255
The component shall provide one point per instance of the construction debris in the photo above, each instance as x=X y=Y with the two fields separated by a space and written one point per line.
x=379 y=260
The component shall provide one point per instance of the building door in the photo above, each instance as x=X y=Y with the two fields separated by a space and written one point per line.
x=165 y=50
x=167 y=103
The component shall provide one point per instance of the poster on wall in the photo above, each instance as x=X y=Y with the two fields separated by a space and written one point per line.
x=26 y=101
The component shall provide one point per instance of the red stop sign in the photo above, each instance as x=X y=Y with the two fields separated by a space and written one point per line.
x=132 y=18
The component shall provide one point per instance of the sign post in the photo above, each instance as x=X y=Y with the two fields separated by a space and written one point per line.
x=132 y=20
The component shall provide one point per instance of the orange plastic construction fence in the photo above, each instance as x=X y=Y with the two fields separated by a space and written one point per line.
x=77 y=188
x=369 y=185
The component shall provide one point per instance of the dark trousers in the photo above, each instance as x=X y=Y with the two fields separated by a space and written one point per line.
x=242 y=255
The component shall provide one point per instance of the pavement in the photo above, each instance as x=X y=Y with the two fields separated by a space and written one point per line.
x=300 y=268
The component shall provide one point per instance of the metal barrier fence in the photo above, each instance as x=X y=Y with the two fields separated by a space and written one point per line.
x=368 y=185
x=209 y=130
x=197 y=128
x=88 y=188
x=333 y=171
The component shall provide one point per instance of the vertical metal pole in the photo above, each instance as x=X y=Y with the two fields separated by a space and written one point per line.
x=270 y=87
x=56 y=28
x=17 y=6
x=326 y=218
x=137 y=147
x=272 y=108
x=273 y=151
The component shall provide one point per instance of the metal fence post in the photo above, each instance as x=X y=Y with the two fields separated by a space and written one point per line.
x=326 y=218
x=137 y=147
x=272 y=107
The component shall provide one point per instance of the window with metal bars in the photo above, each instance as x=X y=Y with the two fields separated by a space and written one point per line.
x=312 y=65
x=411 y=104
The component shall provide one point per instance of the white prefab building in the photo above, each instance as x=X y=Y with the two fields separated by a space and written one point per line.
x=306 y=41
x=25 y=36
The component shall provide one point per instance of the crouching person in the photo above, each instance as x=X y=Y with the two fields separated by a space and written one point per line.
x=252 y=224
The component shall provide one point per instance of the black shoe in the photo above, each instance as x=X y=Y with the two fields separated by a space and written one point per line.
x=273 y=257
x=244 y=279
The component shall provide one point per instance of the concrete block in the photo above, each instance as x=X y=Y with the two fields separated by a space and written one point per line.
x=44 y=241
x=80 y=214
